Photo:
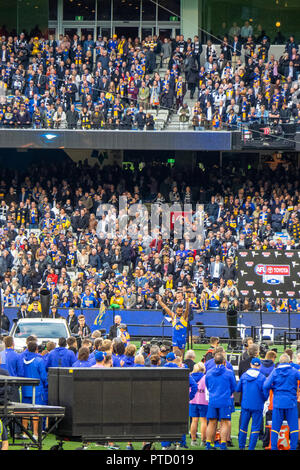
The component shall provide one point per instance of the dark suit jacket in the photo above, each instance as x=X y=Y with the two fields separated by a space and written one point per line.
x=72 y=322
x=113 y=332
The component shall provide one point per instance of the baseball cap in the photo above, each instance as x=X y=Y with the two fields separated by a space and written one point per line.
x=255 y=361
x=170 y=356
x=99 y=356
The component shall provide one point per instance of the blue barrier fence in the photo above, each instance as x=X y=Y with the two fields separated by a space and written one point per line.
x=153 y=323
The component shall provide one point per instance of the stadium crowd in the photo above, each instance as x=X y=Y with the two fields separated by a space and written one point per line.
x=54 y=232
x=112 y=83
x=269 y=389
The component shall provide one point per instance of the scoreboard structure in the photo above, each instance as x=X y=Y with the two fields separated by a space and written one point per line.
x=274 y=273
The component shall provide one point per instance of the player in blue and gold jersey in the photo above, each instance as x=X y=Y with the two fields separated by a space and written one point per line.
x=179 y=324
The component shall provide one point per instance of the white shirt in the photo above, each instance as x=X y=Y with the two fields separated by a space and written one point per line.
x=216 y=272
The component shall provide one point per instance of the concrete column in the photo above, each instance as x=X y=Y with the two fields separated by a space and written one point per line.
x=190 y=18
x=60 y=11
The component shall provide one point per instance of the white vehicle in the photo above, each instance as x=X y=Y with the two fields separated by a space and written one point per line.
x=45 y=329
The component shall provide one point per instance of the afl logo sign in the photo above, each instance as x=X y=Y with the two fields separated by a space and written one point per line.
x=249 y=263
x=272 y=273
x=272 y=270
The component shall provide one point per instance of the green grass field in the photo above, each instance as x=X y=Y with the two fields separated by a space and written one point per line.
x=200 y=350
x=51 y=441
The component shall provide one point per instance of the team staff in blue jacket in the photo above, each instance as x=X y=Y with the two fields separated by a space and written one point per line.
x=192 y=392
x=170 y=360
x=283 y=381
x=83 y=358
x=266 y=368
x=251 y=385
x=220 y=383
x=12 y=360
x=34 y=367
x=60 y=356
x=211 y=362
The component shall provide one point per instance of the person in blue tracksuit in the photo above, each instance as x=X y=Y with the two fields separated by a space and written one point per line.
x=12 y=361
x=129 y=356
x=60 y=356
x=139 y=361
x=268 y=364
x=34 y=367
x=220 y=383
x=211 y=362
x=251 y=385
x=266 y=368
x=170 y=360
x=284 y=381
x=192 y=393
x=83 y=358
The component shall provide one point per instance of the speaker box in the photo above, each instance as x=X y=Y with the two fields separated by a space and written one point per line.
x=127 y=404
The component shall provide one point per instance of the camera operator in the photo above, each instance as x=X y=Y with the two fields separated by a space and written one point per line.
x=246 y=343
x=244 y=365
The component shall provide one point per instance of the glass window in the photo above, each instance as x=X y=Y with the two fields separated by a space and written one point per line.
x=86 y=31
x=41 y=330
x=165 y=33
x=148 y=10
x=9 y=17
x=104 y=10
x=127 y=31
x=147 y=32
x=126 y=10
x=103 y=32
x=168 y=9
x=70 y=32
x=33 y=16
x=28 y=16
x=52 y=9
x=80 y=10
x=278 y=19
